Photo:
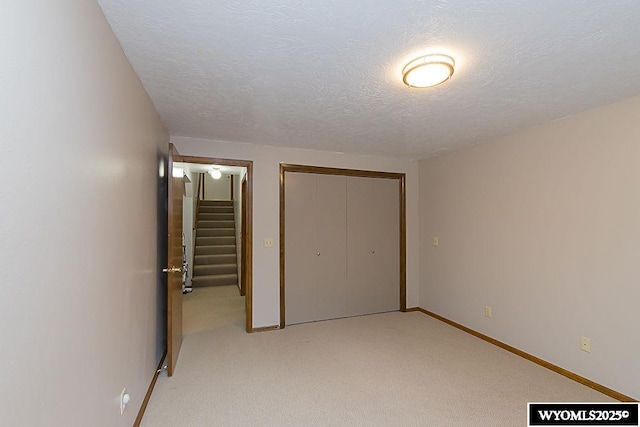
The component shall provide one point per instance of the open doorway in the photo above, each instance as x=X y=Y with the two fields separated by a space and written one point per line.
x=217 y=227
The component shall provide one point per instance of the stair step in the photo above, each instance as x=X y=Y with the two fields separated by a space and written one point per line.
x=212 y=251
x=213 y=259
x=215 y=280
x=215 y=249
x=217 y=240
x=208 y=240
x=215 y=232
x=216 y=224
x=210 y=270
x=226 y=216
x=216 y=202
x=215 y=209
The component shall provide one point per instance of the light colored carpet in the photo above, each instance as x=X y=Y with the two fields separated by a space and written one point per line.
x=382 y=370
x=211 y=308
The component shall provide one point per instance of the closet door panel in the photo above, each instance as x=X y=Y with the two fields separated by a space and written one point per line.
x=300 y=248
x=386 y=244
x=342 y=245
x=331 y=244
x=360 y=274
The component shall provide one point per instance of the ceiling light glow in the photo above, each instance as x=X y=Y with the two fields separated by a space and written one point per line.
x=215 y=173
x=178 y=172
x=428 y=70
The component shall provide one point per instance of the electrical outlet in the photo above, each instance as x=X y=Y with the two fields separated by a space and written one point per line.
x=585 y=344
x=487 y=311
x=268 y=242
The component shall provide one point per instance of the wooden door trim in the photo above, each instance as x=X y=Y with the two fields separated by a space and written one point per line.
x=401 y=177
x=283 y=169
x=243 y=233
x=174 y=337
x=147 y=396
x=248 y=164
x=403 y=242
x=286 y=167
x=555 y=368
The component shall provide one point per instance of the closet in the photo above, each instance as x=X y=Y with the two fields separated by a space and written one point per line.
x=341 y=249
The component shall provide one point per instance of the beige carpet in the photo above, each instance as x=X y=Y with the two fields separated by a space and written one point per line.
x=211 y=308
x=382 y=370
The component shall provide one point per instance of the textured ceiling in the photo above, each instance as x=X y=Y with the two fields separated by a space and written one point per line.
x=326 y=74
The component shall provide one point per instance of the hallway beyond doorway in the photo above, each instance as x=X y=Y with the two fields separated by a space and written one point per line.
x=211 y=308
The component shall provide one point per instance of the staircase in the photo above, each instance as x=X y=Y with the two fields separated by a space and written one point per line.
x=215 y=261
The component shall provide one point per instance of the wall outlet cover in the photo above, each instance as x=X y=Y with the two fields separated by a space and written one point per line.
x=585 y=344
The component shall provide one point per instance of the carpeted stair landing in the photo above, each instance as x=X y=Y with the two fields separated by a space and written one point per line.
x=215 y=261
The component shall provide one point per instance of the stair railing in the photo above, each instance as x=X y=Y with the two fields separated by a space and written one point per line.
x=200 y=179
x=197 y=216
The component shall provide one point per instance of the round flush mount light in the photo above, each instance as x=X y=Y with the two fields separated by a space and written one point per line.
x=428 y=70
x=215 y=173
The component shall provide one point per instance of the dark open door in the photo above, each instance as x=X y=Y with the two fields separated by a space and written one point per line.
x=174 y=267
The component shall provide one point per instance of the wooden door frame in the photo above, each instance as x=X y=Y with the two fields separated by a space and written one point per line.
x=401 y=177
x=174 y=337
x=248 y=243
x=243 y=232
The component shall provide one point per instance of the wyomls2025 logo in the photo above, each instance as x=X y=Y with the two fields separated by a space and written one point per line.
x=583 y=414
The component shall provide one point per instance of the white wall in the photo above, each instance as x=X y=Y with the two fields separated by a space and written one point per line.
x=544 y=226
x=80 y=281
x=266 y=204
x=217 y=189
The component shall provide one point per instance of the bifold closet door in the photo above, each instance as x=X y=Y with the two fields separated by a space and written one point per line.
x=373 y=245
x=300 y=236
x=331 y=243
x=386 y=244
x=360 y=244
x=315 y=247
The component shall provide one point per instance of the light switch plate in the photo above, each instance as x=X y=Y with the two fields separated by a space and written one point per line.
x=436 y=241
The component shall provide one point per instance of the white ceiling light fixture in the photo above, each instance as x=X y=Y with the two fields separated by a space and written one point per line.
x=178 y=172
x=428 y=70
x=215 y=173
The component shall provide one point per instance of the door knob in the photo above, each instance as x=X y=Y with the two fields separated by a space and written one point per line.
x=318 y=254
x=373 y=252
x=172 y=270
